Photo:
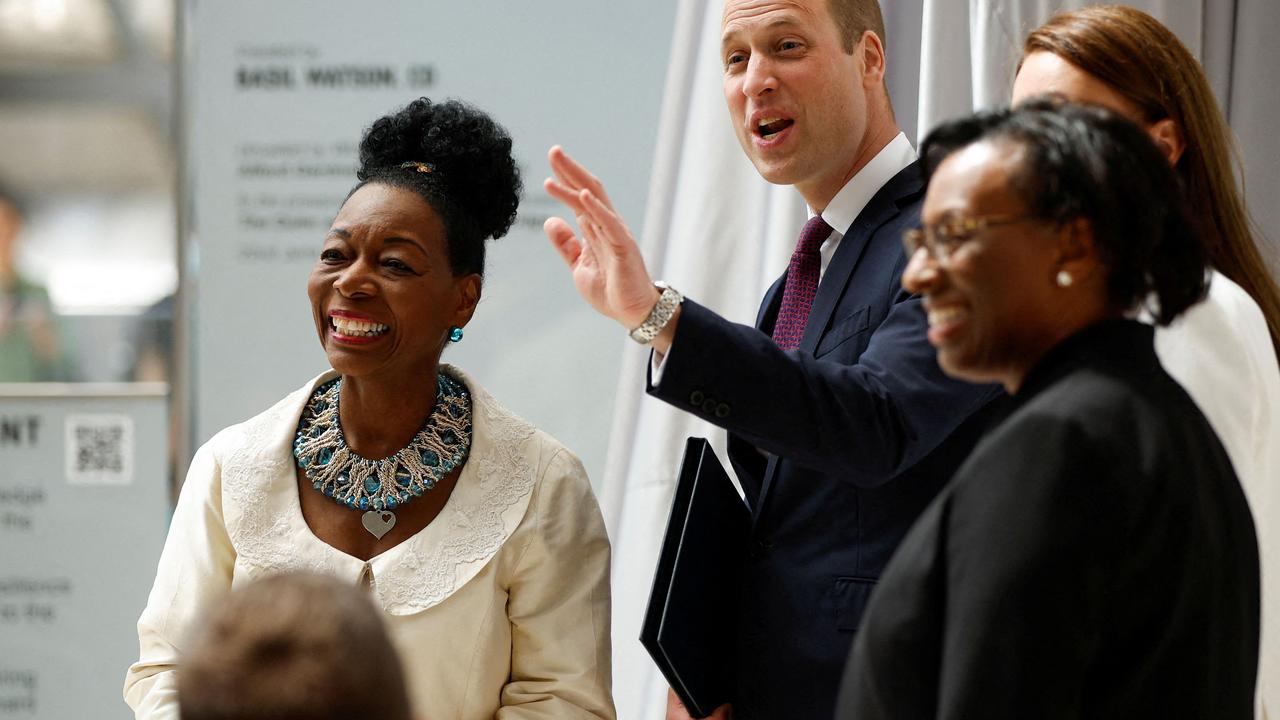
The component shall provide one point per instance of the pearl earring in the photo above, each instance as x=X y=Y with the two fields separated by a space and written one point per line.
x=1064 y=279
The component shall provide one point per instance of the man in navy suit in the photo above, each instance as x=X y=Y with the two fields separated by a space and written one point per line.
x=842 y=427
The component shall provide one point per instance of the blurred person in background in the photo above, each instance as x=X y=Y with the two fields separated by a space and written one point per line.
x=1094 y=557
x=476 y=534
x=1223 y=350
x=296 y=646
x=28 y=336
x=152 y=341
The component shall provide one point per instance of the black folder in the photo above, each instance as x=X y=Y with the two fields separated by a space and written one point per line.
x=691 y=623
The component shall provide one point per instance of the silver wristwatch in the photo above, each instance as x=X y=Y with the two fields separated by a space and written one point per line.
x=660 y=315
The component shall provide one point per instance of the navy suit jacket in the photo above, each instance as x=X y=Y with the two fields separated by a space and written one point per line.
x=839 y=444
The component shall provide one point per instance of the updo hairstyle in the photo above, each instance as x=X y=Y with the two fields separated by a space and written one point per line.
x=1087 y=162
x=472 y=181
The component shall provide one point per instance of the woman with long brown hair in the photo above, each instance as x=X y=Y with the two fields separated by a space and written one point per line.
x=1223 y=351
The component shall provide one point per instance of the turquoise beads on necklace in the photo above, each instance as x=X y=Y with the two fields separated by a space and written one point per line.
x=442 y=444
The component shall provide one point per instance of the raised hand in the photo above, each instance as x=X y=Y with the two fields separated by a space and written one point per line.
x=607 y=268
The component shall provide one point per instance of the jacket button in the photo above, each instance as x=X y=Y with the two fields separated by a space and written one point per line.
x=696 y=397
x=709 y=406
x=722 y=410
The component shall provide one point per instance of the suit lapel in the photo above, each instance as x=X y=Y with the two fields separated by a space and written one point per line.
x=768 y=313
x=882 y=208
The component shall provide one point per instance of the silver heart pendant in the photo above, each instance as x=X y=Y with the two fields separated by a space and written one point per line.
x=378 y=523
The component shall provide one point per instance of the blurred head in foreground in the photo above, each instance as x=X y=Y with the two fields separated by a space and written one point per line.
x=292 y=647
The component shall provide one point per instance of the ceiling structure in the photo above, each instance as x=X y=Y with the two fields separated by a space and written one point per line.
x=87 y=96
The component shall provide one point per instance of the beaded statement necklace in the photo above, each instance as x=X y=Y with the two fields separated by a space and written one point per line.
x=378 y=487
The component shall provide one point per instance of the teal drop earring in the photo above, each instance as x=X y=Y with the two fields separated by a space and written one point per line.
x=455 y=334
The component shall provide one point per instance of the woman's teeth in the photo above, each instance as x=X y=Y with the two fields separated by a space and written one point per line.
x=356 y=328
x=942 y=316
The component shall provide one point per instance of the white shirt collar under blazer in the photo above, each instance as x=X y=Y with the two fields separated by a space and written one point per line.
x=845 y=207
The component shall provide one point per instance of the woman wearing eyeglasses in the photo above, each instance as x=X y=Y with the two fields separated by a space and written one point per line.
x=1094 y=557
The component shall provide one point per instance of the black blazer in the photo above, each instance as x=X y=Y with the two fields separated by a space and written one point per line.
x=839 y=444
x=1094 y=558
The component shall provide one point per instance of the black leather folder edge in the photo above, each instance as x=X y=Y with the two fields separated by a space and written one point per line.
x=691 y=622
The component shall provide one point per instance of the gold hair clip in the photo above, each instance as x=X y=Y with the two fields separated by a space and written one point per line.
x=421 y=166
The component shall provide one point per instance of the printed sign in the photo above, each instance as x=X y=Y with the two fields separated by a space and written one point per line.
x=84 y=504
x=279 y=94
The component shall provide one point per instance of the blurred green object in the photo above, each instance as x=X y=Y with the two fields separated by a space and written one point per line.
x=28 y=338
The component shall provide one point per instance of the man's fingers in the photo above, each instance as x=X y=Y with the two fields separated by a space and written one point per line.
x=561 y=236
x=563 y=193
x=612 y=228
x=569 y=170
x=676 y=709
x=591 y=235
x=574 y=175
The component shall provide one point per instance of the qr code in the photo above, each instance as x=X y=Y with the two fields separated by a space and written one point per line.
x=99 y=449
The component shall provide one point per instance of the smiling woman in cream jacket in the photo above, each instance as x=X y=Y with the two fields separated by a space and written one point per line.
x=476 y=534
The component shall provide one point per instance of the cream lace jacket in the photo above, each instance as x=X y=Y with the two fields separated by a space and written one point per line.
x=499 y=607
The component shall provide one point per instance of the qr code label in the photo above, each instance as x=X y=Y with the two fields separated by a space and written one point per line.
x=99 y=449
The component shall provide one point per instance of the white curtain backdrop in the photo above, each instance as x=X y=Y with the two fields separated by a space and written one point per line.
x=718 y=232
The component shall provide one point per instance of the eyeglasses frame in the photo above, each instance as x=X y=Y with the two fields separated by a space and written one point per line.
x=958 y=232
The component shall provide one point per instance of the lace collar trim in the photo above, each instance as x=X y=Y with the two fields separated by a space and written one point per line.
x=265 y=523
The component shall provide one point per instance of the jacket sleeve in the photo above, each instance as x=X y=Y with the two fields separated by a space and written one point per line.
x=867 y=421
x=559 y=605
x=195 y=566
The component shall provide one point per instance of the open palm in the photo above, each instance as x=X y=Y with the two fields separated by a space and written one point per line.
x=605 y=260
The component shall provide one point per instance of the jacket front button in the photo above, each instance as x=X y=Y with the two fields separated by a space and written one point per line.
x=709 y=406
x=696 y=397
x=722 y=410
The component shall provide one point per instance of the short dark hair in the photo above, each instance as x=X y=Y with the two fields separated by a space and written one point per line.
x=292 y=647
x=1081 y=161
x=473 y=182
x=855 y=17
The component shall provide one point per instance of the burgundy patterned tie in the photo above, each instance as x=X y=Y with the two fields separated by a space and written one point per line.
x=802 y=284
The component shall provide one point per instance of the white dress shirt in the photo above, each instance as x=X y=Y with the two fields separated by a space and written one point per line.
x=845 y=207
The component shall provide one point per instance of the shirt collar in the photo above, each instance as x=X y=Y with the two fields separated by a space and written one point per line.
x=845 y=207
